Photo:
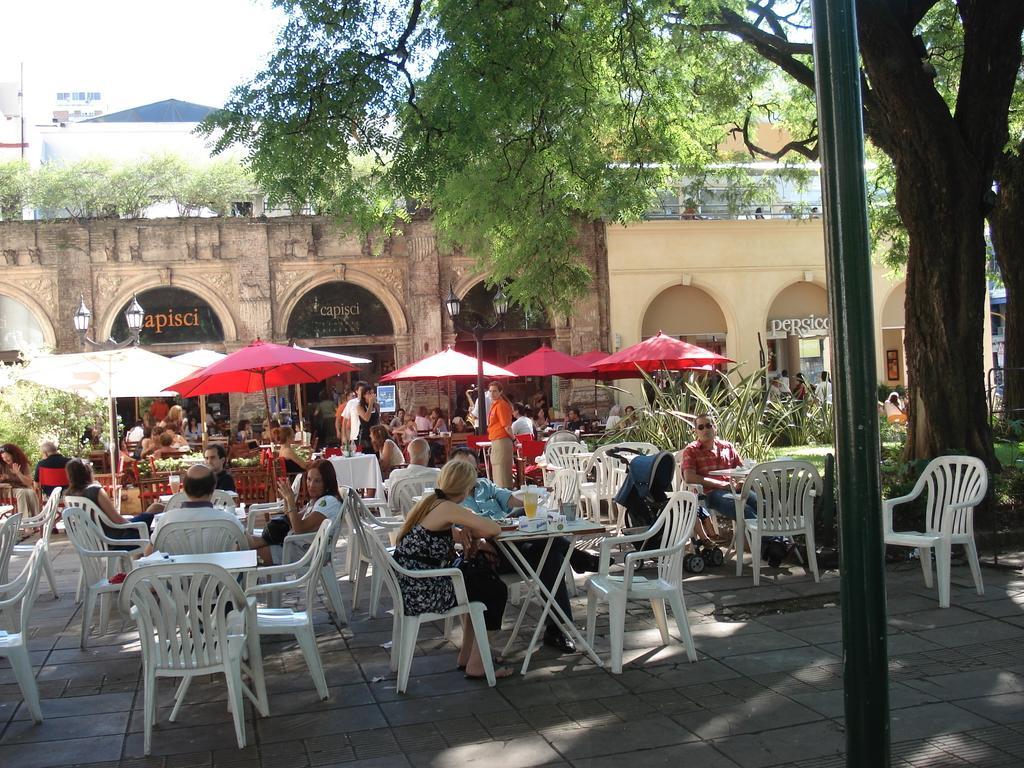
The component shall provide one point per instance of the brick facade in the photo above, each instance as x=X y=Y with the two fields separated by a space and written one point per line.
x=254 y=271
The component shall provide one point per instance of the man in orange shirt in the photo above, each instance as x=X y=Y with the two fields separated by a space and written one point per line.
x=499 y=432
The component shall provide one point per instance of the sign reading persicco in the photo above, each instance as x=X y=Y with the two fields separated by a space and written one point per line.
x=800 y=326
x=339 y=309
x=173 y=316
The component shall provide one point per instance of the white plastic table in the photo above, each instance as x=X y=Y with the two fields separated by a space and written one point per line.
x=531 y=575
x=234 y=562
x=361 y=470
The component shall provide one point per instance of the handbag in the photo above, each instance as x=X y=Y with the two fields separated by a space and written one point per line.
x=276 y=529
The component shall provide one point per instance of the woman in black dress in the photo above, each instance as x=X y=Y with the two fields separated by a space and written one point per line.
x=369 y=417
x=426 y=543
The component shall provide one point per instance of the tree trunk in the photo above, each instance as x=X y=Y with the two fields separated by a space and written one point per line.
x=944 y=164
x=945 y=307
x=1007 y=227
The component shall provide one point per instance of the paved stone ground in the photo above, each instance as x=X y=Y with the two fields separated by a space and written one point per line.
x=766 y=692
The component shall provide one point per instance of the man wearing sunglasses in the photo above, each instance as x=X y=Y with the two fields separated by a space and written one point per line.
x=706 y=454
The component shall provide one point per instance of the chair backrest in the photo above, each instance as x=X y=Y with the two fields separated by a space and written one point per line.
x=402 y=491
x=256 y=512
x=296 y=484
x=50 y=510
x=10 y=533
x=82 y=525
x=186 y=614
x=151 y=489
x=312 y=561
x=953 y=480
x=199 y=537
x=676 y=521
x=223 y=500
x=530 y=448
x=563 y=436
x=176 y=500
x=18 y=596
x=253 y=485
x=565 y=487
x=52 y=476
x=785 y=492
x=555 y=453
x=363 y=528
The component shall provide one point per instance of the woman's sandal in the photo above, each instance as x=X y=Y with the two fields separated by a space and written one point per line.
x=500 y=673
x=497 y=660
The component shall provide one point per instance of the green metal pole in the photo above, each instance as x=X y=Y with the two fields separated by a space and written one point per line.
x=848 y=265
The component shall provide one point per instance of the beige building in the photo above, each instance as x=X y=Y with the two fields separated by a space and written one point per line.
x=720 y=283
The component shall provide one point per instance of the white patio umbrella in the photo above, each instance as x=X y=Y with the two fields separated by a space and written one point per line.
x=198 y=359
x=108 y=374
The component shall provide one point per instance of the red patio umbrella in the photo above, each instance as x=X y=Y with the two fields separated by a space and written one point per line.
x=259 y=366
x=448 y=364
x=657 y=353
x=546 y=361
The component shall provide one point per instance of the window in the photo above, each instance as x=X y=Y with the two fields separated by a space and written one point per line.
x=79 y=96
x=94 y=96
x=63 y=96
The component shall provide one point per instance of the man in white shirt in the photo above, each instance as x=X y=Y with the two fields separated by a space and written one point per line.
x=824 y=389
x=199 y=485
x=419 y=463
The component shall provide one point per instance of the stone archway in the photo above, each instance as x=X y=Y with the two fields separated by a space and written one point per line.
x=796 y=329
x=114 y=311
x=24 y=324
x=690 y=313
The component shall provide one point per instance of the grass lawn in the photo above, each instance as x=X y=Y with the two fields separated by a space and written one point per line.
x=812 y=453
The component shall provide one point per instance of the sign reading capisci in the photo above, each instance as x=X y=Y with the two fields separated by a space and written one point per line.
x=173 y=316
x=339 y=309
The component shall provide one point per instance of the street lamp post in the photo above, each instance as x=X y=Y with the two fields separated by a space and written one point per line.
x=133 y=316
x=479 y=329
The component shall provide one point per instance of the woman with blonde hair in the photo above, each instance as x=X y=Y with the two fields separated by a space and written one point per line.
x=293 y=463
x=389 y=455
x=426 y=542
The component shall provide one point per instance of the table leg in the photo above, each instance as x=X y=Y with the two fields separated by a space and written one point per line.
x=532 y=576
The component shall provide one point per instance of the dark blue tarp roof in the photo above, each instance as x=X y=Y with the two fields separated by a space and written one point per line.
x=169 y=111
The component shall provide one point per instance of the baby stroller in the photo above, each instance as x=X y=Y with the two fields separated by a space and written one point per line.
x=645 y=491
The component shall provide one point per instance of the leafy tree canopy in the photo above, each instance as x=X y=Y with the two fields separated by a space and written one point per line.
x=508 y=119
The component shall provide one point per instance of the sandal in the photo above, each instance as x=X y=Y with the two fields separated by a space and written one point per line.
x=500 y=673
x=497 y=660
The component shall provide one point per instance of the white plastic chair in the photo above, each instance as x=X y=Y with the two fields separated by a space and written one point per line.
x=304 y=574
x=101 y=519
x=785 y=492
x=99 y=562
x=555 y=454
x=223 y=500
x=360 y=558
x=674 y=524
x=256 y=513
x=297 y=544
x=45 y=521
x=195 y=620
x=16 y=599
x=199 y=537
x=406 y=628
x=10 y=532
x=176 y=500
x=404 y=489
x=955 y=486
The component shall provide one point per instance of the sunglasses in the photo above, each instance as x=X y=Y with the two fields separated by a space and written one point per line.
x=709 y=425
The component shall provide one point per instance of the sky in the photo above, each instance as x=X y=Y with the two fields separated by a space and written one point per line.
x=134 y=52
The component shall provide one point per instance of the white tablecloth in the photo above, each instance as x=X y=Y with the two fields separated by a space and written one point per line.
x=359 y=471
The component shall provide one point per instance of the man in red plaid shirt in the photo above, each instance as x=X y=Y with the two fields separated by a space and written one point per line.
x=705 y=455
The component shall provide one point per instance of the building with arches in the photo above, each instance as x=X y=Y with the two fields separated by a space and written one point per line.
x=742 y=287
x=220 y=283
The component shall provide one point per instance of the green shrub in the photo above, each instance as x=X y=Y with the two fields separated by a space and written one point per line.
x=30 y=413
